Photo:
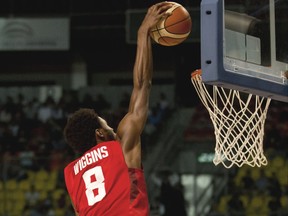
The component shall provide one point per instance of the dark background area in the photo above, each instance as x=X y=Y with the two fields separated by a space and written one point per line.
x=98 y=36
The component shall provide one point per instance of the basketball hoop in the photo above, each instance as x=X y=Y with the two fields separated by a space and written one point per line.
x=238 y=120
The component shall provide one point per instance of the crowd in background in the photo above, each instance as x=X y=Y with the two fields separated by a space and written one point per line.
x=32 y=144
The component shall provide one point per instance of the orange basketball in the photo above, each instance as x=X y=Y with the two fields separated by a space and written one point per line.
x=173 y=29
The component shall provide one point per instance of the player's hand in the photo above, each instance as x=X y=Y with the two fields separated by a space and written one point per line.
x=155 y=13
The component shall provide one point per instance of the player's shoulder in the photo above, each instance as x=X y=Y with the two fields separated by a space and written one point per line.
x=110 y=144
x=70 y=165
x=98 y=148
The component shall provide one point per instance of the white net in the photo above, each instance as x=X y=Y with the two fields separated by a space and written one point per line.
x=238 y=120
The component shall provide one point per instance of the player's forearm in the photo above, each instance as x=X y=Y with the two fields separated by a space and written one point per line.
x=143 y=67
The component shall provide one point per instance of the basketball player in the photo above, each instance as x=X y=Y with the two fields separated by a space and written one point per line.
x=108 y=178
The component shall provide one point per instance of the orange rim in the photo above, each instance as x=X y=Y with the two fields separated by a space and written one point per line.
x=195 y=73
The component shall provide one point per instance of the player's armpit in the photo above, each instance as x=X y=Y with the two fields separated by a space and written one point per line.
x=76 y=213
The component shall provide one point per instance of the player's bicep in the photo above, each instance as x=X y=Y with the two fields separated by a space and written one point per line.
x=129 y=135
x=129 y=130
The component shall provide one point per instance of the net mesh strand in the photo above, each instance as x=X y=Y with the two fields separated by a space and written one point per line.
x=238 y=120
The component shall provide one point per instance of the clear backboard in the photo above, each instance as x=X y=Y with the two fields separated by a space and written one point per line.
x=244 y=46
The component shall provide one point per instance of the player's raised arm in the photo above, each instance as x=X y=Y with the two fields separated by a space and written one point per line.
x=132 y=125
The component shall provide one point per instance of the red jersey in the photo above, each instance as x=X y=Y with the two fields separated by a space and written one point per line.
x=100 y=183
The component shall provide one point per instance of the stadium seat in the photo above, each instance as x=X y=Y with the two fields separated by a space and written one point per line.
x=11 y=185
x=40 y=185
x=41 y=175
x=245 y=200
x=283 y=176
x=222 y=205
x=258 y=205
x=24 y=185
x=278 y=162
x=284 y=201
x=56 y=194
x=59 y=212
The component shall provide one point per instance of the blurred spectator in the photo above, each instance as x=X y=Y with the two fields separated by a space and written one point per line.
x=22 y=139
x=247 y=181
x=57 y=113
x=7 y=139
x=12 y=168
x=274 y=206
x=155 y=116
x=10 y=105
x=15 y=123
x=262 y=182
x=71 y=100
x=164 y=104
x=58 y=143
x=21 y=101
x=32 y=197
x=235 y=205
x=158 y=113
x=5 y=115
x=274 y=186
x=35 y=211
x=27 y=158
x=45 y=110
x=47 y=206
x=31 y=108
x=171 y=196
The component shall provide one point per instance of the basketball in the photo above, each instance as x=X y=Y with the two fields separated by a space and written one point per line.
x=174 y=29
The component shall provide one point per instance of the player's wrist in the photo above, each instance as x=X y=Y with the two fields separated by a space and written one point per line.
x=144 y=31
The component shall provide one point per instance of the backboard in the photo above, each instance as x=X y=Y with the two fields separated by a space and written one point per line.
x=244 y=46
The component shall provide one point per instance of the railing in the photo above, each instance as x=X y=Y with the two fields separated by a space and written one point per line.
x=204 y=201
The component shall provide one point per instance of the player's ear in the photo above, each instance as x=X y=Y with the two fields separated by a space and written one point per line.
x=99 y=133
